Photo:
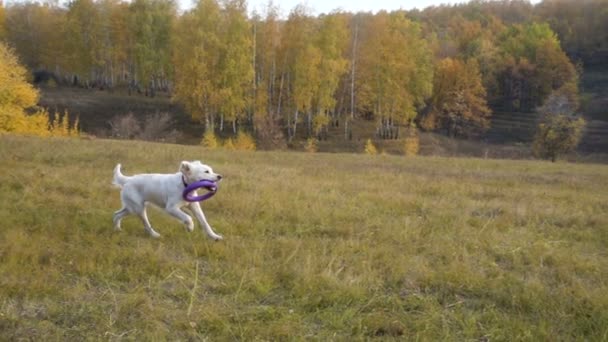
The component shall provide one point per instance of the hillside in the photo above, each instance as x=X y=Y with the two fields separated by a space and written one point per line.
x=508 y=136
x=96 y=108
x=317 y=246
x=509 y=127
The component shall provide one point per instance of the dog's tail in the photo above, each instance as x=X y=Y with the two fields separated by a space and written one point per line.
x=119 y=179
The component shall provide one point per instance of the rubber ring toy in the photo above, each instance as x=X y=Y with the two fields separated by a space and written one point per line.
x=205 y=184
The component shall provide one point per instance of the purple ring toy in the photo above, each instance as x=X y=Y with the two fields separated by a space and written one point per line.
x=207 y=184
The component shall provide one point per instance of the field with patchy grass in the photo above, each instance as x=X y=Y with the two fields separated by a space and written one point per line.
x=317 y=246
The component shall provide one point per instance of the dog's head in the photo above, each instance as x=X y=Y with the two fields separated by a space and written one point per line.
x=195 y=171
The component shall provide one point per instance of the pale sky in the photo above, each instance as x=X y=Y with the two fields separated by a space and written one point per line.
x=326 y=6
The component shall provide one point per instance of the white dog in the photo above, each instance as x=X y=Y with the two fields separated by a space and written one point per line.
x=164 y=191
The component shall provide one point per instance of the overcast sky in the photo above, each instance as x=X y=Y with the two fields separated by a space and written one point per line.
x=326 y=6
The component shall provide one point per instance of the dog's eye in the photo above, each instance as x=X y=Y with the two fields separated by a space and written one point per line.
x=207 y=171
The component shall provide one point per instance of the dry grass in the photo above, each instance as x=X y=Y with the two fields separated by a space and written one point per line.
x=318 y=246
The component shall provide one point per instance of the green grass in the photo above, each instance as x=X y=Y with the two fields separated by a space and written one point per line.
x=317 y=246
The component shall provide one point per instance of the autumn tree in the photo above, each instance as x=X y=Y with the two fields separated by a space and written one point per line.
x=475 y=38
x=266 y=42
x=353 y=59
x=557 y=134
x=151 y=23
x=212 y=58
x=117 y=51
x=331 y=40
x=458 y=104
x=582 y=27
x=2 y=21
x=395 y=71
x=235 y=70
x=16 y=95
x=534 y=65
x=194 y=56
x=36 y=32
x=267 y=85
x=89 y=41
x=85 y=43
x=346 y=98
x=300 y=67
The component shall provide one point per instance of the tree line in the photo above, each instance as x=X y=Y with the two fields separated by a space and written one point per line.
x=443 y=68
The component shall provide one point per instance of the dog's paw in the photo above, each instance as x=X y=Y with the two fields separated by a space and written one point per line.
x=154 y=235
x=217 y=237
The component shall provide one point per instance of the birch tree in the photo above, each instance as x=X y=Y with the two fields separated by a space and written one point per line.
x=84 y=42
x=396 y=71
x=195 y=57
x=2 y=21
x=151 y=26
x=332 y=40
x=301 y=61
x=235 y=69
x=36 y=32
x=267 y=82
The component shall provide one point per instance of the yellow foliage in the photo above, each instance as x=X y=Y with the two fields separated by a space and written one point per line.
x=319 y=122
x=244 y=142
x=459 y=99
x=36 y=124
x=370 y=148
x=209 y=140
x=429 y=122
x=312 y=145
x=411 y=146
x=16 y=95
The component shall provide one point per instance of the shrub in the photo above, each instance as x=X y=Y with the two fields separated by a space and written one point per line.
x=60 y=126
x=229 y=144
x=156 y=127
x=268 y=133
x=312 y=145
x=560 y=130
x=370 y=148
x=411 y=145
x=209 y=140
x=36 y=124
x=124 y=127
x=244 y=142
x=556 y=135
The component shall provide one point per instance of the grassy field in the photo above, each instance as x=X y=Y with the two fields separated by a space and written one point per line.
x=317 y=246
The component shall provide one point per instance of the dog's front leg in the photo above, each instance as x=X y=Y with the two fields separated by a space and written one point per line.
x=198 y=213
x=176 y=212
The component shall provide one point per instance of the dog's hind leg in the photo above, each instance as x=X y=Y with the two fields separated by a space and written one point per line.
x=118 y=215
x=135 y=204
x=144 y=218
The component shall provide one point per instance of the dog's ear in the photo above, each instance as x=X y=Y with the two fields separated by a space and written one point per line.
x=185 y=168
